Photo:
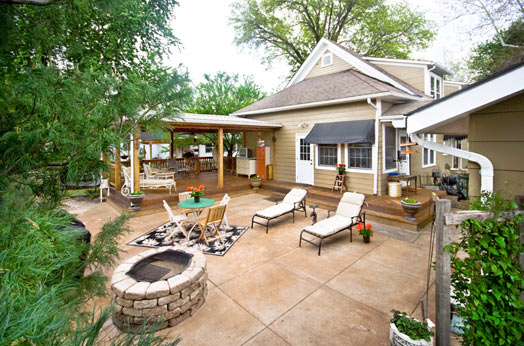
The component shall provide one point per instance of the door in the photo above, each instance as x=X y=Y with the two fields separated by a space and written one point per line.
x=304 y=165
x=403 y=159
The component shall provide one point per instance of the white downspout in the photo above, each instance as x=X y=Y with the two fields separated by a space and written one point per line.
x=378 y=113
x=486 y=167
x=132 y=155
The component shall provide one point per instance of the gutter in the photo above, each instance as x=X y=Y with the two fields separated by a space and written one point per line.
x=378 y=112
x=486 y=167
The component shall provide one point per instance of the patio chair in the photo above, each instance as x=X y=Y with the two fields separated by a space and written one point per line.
x=348 y=214
x=176 y=220
x=294 y=200
x=214 y=218
x=225 y=200
x=182 y=196
x=104 y=185
x=126 y=187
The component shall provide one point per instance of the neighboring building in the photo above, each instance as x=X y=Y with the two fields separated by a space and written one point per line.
x=491 y=114
x=341 y=107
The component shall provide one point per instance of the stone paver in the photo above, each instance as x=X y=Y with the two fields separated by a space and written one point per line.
x=268 y=291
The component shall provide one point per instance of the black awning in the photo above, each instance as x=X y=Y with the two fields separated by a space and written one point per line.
x=358 y=131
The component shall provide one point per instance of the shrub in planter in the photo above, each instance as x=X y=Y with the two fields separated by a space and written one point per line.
x=256 y=182
x=407 y=331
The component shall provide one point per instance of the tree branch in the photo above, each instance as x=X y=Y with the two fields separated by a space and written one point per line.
x=31 y=2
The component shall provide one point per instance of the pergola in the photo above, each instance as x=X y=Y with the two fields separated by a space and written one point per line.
x=193 y=124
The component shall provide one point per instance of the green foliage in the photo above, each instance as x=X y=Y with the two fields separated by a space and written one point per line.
x=492 y=56
x=488 y=281
x=137 y=193
x=410 y=201
x=414 y=329
x=224 y=94
x=290 y=29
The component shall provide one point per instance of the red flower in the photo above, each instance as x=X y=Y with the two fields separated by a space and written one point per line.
x=189 y=188
x=359 y=226
x=201 y=187
x=196 y=189
x=368 y=225
x=342 y=165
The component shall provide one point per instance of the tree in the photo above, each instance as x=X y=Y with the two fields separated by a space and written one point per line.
x=224 y=94
x=498 y=53
x=77 y=77
x=290 y=29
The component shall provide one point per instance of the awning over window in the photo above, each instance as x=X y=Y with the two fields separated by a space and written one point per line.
x=458 y=138
x=358 y=131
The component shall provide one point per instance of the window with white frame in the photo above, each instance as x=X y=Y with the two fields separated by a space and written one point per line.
x=327 y=59
x=327 y=155
x=435 y=84
x=429 y=156
x=456 y=162
x=209 y=148
x=359 y=155
x=390 y=148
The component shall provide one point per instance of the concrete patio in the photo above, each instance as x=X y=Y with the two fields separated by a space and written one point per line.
x=268 y=291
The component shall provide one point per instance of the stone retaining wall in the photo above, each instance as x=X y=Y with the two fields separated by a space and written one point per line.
x=167 y=302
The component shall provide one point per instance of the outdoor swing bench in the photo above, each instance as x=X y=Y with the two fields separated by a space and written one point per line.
x=294 y=200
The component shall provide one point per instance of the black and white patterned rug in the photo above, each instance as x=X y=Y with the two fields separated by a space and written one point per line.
x=157 y=238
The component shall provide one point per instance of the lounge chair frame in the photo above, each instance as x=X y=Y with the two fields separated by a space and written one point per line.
x=298 y=206
x=355 y=221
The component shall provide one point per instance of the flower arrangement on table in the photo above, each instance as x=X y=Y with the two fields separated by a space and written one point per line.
x=341 y=168
x=196 y=192
x=365 y=230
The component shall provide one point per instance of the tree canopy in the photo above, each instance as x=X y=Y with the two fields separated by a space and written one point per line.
x=290 y=29
x=224 y=94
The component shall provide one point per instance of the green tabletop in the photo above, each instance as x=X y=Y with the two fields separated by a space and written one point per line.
x=190 y=203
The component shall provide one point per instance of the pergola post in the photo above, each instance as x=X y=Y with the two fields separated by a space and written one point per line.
x=220 y=157
x=151 y=151
x=117 y=168
x=172 y=146
x=136 y=163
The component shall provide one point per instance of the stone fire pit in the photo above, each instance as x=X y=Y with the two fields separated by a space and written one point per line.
x=167 y=301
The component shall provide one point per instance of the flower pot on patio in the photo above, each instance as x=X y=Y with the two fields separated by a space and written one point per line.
x=136 y=199
x=197 y=199
x=256 y=183
x=367 y=239
x=419 y=333
x=411 y=207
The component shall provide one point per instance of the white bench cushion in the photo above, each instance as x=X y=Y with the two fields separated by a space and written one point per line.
x=157 y=182
x=275 y=210
x=329 y=226
x=294 y=196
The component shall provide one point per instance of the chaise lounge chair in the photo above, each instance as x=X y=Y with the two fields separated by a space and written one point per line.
x=348 y=214
x=294 y=200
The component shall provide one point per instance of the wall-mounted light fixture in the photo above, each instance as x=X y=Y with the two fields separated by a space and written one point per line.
x=303 y=125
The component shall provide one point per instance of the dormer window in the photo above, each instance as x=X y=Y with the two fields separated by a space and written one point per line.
x=327 y=59
x=435 y=83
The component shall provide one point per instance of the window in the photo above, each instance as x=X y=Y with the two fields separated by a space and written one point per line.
x=435 y=86
x=359 y=156
x=305 y=150
x=428 y=156
x=209 y=148
x=456 y=162
x=390 y=148
x=327 y=59
x=327 y=155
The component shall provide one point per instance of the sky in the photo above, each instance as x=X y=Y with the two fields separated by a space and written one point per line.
x=207 y=42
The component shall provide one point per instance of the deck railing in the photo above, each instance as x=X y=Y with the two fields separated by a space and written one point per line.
x=194 y=164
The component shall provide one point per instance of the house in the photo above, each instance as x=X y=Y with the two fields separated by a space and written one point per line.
x=341 y=107
x=491 y=114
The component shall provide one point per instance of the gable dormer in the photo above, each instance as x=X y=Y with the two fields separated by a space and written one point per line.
x=328 y=63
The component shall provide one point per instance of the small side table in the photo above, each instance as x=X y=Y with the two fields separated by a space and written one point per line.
x=339 y=183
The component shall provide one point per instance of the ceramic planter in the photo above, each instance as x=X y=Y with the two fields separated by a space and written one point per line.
x=197 y=199
x=411 y=209
x=400 y=339
x=255 y=184
x=367 y=239
x=136 y=200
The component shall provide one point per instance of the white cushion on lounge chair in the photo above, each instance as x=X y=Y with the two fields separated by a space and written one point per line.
x=350 y=204
x=329 y=226
x=275 y=210
x=157 y=182
x=294 y=196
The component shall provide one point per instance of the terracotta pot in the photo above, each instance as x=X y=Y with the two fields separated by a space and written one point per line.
x=411 y=209
x=367 y=239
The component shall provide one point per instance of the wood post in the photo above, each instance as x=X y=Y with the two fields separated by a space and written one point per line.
x=197 y=165
x=151 y=151
x=244 y=139
x=136 y=162
x=117 y=168
x=172 y=146
x=104 y=173
x=220 y=141
x=443 y=274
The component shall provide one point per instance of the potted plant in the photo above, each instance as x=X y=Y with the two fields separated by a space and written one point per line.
x=136 y=199
x=196 y=192
x=407 y=331
x=341 y=168
x=365 y=230
x=410 y=207
x=256 y=182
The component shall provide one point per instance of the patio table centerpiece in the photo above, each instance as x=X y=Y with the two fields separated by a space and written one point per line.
x=196 y=192
x=407 y=331
x=365 y=230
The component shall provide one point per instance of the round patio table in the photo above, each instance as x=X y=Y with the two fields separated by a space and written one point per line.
x=196 y=208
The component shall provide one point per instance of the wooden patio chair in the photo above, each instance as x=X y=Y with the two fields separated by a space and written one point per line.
x=214 y=218
x=294 y=200
x=176 y=220
x=348 y=214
